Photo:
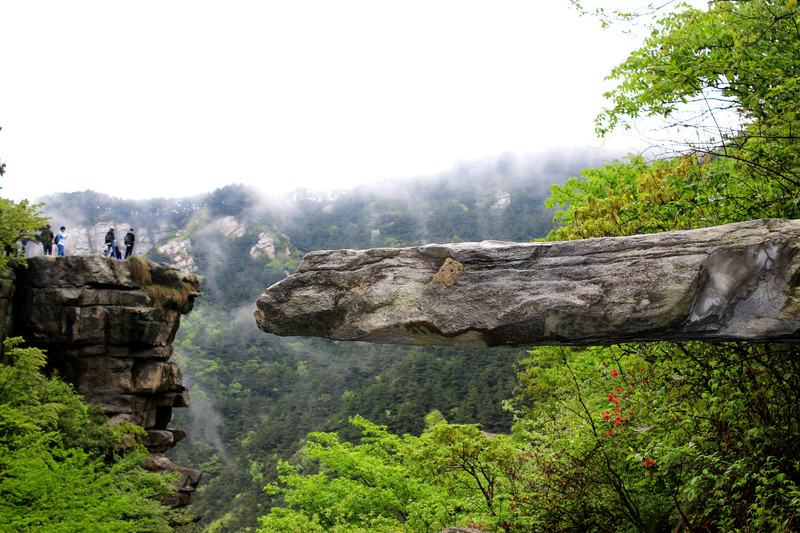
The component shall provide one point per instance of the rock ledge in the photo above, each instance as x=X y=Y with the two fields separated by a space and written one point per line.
x=726 y=283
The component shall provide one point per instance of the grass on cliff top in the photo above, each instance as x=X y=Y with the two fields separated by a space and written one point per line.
x=160 y=294
x=140 y=273
x=140 y=270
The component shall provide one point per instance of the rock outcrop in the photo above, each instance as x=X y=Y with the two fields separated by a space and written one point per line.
x=732 y=282
x=108 y=327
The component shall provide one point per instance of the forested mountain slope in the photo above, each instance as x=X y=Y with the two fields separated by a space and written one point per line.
x=256 y=397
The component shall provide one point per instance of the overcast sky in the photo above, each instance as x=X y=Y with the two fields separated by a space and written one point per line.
x=172 y=98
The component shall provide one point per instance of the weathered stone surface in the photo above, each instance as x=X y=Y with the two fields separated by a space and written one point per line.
x=186 y=484
x=92 y=300
x=111 y=337
x=732 y=282
x=159 y=440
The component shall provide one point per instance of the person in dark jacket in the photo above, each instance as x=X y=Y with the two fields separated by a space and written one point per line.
x=130 y=239
x=47 y=240
x=111 y=241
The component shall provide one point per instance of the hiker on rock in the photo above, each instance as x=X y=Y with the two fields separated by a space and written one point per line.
x=130 y=239
x=61 y=236
x=46 y=238
x=111 y=240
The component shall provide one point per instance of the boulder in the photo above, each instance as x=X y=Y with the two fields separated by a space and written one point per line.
x=185 y=485
x=726 y=283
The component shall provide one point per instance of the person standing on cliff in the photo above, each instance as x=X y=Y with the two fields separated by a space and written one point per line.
x=61 y=236
x=111 y=240
x=130 y=239
x=47 y=240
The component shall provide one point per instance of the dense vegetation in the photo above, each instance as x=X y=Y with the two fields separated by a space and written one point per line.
x=255 y=398
x=62 y=467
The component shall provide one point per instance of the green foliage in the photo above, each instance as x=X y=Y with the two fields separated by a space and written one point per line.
x=233 y=272
x=391 y=483
x=690 y=436
x=18 y=222
x=644 y=437
x=731 y=73
x=626 y=198
x=230 y=200
x=61 y=468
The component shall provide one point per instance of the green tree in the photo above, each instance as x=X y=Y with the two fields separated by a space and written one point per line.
x=451 y=474
x=18 y=222
x=731 y=73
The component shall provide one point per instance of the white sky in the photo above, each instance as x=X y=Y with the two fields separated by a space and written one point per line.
x=172 y=98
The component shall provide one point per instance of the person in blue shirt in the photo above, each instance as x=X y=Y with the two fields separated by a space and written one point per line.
x=61 y=236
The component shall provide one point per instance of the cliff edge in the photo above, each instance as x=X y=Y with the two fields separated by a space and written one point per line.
x=107 y=327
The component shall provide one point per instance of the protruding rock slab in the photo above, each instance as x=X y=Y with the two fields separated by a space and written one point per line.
x=732 y=282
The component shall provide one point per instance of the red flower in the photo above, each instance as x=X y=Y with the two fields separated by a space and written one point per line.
x=614 y=372
x=617 y=390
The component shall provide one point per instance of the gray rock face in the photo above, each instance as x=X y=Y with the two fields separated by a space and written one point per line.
x=111 y=337
x=732 y=282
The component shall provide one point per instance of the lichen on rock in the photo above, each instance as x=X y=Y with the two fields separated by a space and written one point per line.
x=448 y=273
